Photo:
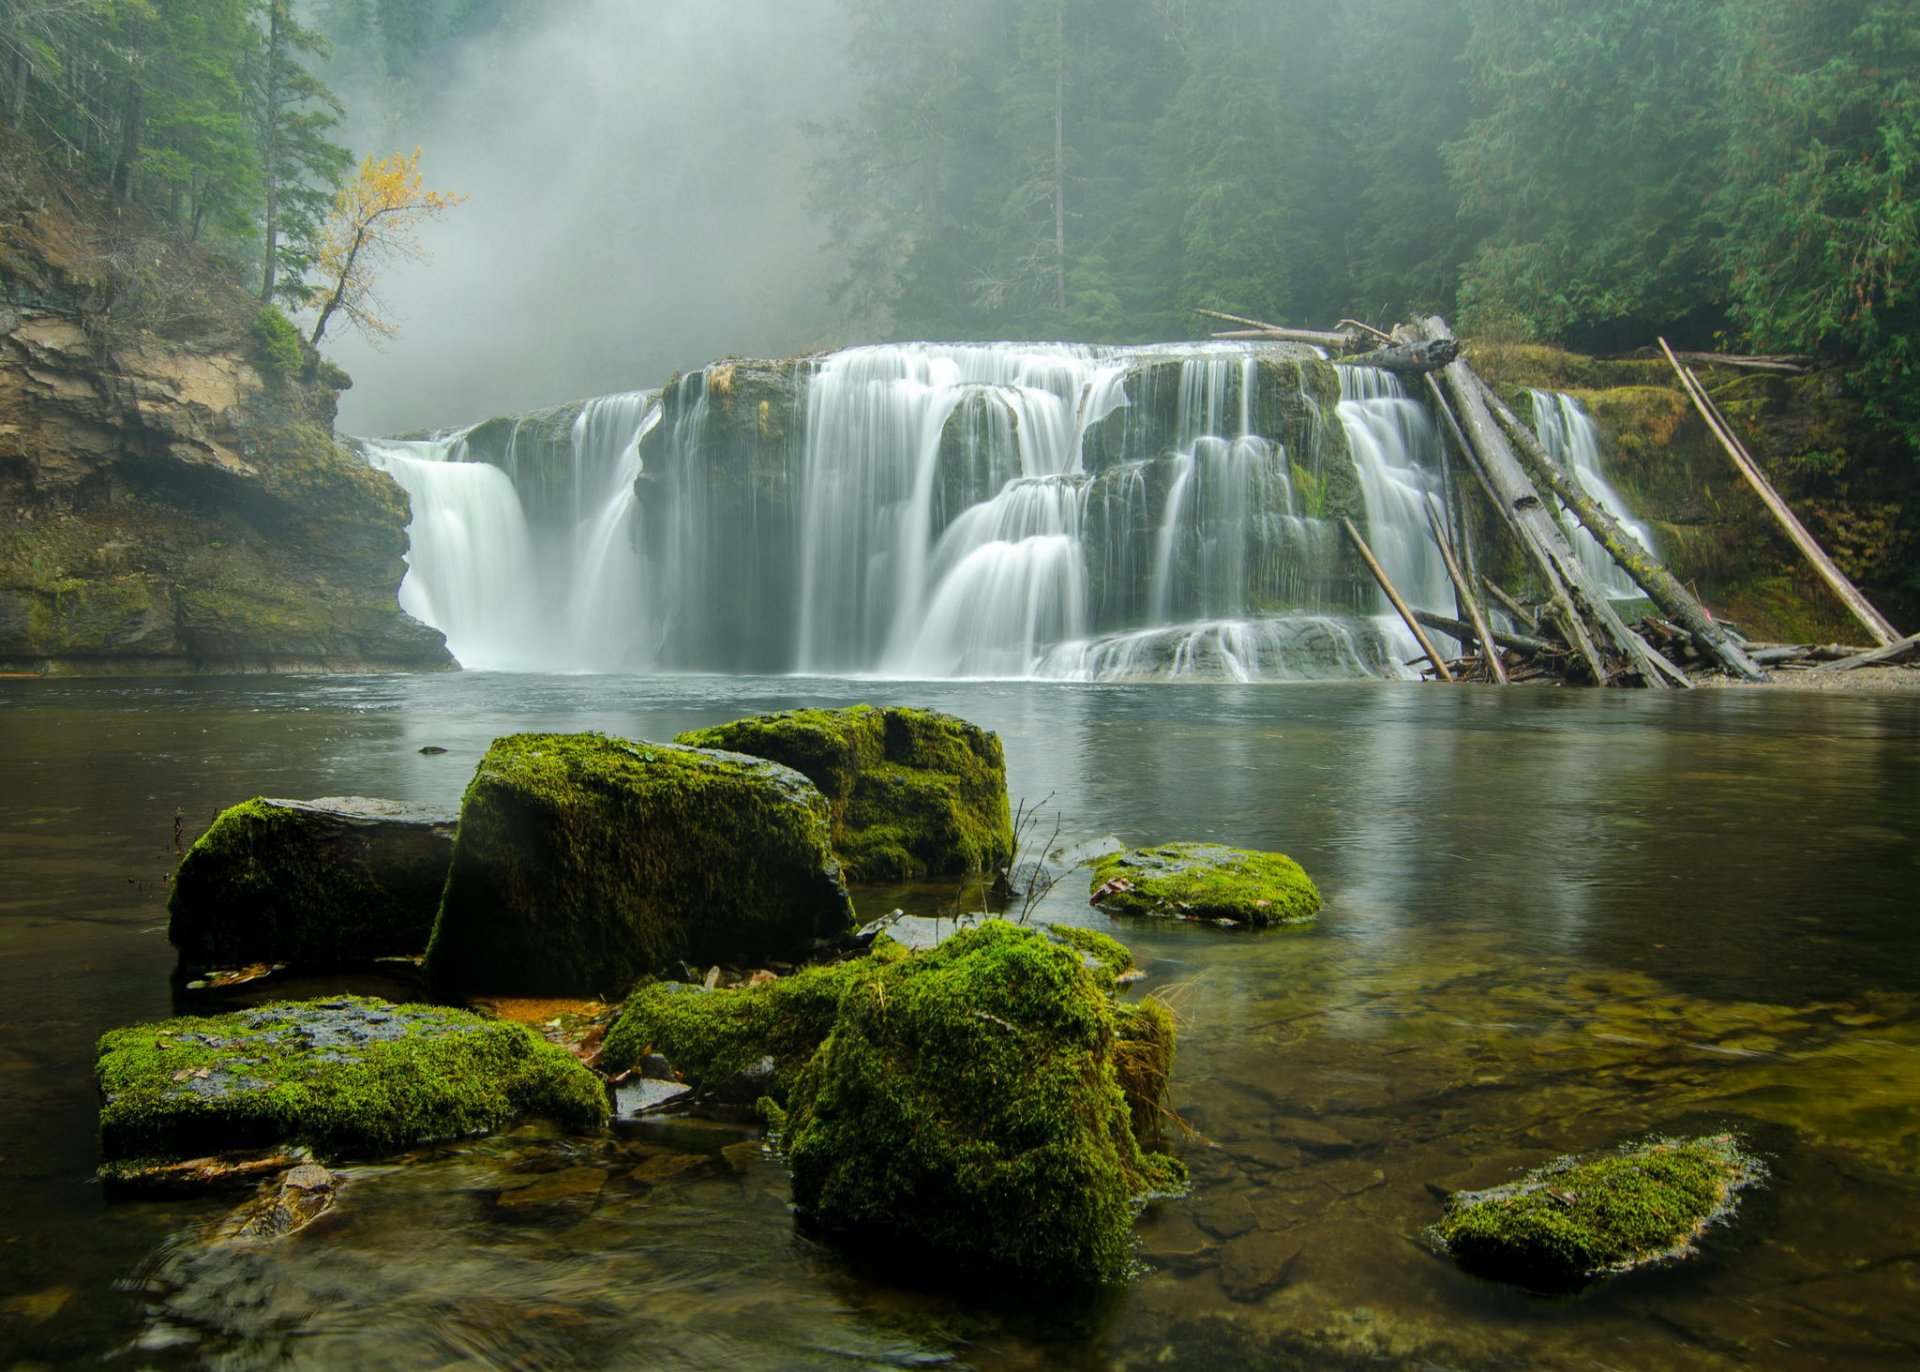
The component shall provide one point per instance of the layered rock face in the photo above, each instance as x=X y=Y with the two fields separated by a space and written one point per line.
x=171 y=496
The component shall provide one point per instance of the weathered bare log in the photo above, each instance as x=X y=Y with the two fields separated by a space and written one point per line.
x=1661 y=586
x=1520 y=643
x=1574 y=598
x=1874 y=622
x=1888 y=654
x=1774 y=363
x=1465 y=593
x=1406 y=614
x=1408 y=359
x=1513 y=607
x=1259 y=328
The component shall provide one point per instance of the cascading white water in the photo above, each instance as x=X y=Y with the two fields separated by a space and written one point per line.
x=510 y=593
x=924 y=510
x=1572 y=439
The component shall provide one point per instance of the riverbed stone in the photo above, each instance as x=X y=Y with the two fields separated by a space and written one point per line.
x=317 y=883
x=911 y=792
x=1577 y=1220
x=351 y=1076
x=585 y=863
x=965 y=1110
x=1206 y=881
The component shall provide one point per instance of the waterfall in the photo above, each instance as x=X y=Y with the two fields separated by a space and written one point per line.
x=558 y=588
x=1572 y=439
x=924 y=510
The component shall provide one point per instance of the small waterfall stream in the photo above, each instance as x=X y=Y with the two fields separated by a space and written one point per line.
x=932 y=511
x=1572 y=439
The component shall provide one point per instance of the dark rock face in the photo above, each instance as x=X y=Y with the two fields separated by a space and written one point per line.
x=312 y=882
x=350 y=1076
x=584 y=863
x=169 y=500
x=912 y=792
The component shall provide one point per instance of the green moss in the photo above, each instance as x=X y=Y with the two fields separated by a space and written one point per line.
x=1206 y=881
x=1575 y=1220
x=276 y=882
x=1143 y=1065
x=967 y=1104
x=280 y=346
x=351 y=1076
x=1112 y=957
x=584 y=863
x=911 y=792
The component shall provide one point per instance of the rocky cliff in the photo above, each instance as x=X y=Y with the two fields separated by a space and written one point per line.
x=171 y=495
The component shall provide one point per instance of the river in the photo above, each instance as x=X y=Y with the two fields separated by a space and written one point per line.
x=1553 y=920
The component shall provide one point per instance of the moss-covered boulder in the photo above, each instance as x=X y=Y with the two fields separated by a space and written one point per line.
x=1206 y=881
x=313 y=882
x=912 y=792
x=584 y=863
x=967 y=1106
x=1576 y=1220
x=347 y=1077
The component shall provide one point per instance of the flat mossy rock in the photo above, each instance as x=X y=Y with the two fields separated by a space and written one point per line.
x=967 y=1108
x=348 y=1077
x=1577 y=1220
x=313 y=882
x=912 y=792
x=584 y=863
x=1206 y=881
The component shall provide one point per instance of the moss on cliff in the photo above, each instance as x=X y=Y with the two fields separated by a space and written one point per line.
x=351 y=1076
x=584 y=863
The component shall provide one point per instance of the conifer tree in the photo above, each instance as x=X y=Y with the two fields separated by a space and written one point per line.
x=295 y=115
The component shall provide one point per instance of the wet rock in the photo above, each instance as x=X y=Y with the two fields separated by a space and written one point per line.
x=584 y=863
x=1206 y=881
x=349 y=1076
x=966 y=1109
x=312 y=882
x=572 y=1186
x=194 y=1176
x=638 y=1097
x=1313 y=1136
x=286 y=1206
x=1169 y=1235
x=911 y=792
x=1577 y=1220
x=1255 y=1263
x=655 y=1067
x=1224 y=1213
x=667 y=1166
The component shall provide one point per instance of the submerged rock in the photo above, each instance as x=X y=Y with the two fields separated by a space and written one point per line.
x=911 y=792
x=350 y=1076
x=286 y=1206
x=1577 y=1220
x=314 y=882
x=584 y=863
x=1206 y=881
x=967 y=1105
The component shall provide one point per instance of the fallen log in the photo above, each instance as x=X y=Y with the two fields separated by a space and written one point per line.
x=1661 y=586
x=1465 y=593
x=1883 y=656
x=1259 y=328
x=1520 y=613
x=1406 y=614
x=1520 y=643
x=1775 y=363
x=1862 y=609
x=1408 y=359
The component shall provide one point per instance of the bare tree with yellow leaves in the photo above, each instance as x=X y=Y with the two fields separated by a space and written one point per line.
x=375 y=220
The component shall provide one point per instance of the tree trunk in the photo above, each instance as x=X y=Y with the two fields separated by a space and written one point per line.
x=270 y=154
x=1408 y=359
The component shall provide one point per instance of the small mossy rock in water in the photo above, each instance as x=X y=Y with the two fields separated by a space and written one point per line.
x=348 y=1077
x=313 y=882
x=966 y=1106
x=913 y=792
x=1577 y=1220
x=583 y=863
x=1206 y=881
x=713 y=1038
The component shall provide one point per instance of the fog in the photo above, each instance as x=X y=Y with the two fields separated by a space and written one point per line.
x=637 y=183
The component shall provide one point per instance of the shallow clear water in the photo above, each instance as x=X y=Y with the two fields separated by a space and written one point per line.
x=1553 y=920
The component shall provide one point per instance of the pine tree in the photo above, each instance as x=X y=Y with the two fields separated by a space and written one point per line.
x=295 y=115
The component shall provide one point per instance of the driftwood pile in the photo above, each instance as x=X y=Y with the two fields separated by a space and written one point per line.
x=1575 y=633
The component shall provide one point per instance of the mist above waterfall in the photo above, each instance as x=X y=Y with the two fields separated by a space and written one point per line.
x=637 y=178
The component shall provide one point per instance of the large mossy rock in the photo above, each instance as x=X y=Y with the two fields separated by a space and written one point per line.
x=584 y=863
x=912 y=792
x=967 y=1107
x=1206 y=881
x=311 y=882
x=1577 y=1220
x=348 y=1077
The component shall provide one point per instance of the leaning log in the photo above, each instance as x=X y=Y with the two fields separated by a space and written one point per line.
x=1465 y=594
x=1675 y=602
x=1406 y=614
x=1520 y=643
x=1875 y=623
x=1887 y=655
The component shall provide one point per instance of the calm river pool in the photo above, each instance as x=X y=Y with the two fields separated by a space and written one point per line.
x=1554 y=920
